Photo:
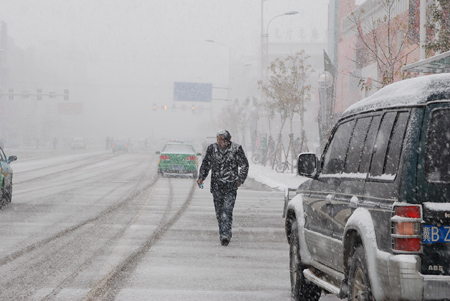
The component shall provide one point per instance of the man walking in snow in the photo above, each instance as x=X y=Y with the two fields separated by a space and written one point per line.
x=229 y=169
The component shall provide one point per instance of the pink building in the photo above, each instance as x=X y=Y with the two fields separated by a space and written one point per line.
x=356 y=62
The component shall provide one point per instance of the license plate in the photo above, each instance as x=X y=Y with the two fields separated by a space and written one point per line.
x=177 y=167
x=434 y=234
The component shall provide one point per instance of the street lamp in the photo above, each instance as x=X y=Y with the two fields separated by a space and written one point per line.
x=265 y=45
x=325 y=117
x=265 y=57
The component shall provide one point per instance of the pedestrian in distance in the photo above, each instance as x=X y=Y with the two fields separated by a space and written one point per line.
x=229 y=169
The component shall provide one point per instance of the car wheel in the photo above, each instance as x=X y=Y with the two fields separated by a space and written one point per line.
x=301 y=288
x=8 y=194
x=358 y=278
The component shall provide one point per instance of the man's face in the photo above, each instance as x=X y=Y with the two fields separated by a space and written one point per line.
x=221 y=142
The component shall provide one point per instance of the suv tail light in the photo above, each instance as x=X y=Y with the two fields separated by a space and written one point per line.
x=164 y=157
x=406 y=229
x=191 y=158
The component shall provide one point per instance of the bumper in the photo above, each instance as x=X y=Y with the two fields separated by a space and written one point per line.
x=436 y=287
x=401 y=280
x=178 y=171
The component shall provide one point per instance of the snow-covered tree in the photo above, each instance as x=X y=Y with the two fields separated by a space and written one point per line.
x=287 y=91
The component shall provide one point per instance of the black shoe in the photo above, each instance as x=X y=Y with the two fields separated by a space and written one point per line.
x=225 y=241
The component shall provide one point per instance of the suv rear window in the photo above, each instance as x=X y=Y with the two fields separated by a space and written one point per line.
x=437 y=156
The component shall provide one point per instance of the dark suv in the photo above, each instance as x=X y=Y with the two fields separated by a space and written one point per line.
x=373 y=220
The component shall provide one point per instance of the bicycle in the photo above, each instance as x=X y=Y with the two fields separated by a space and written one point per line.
x=256 y=158
x=283 y=166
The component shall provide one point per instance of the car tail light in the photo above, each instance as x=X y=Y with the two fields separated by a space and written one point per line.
x=164 y=157
x=191 y=158
x=406 y=229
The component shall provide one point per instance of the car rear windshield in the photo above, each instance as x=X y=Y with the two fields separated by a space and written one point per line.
x=178 y=148
x=437 y=156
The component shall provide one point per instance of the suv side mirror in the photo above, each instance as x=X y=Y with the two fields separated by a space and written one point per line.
x=307 y=164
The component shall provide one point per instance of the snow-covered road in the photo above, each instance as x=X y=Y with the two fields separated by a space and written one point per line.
x=98 y=226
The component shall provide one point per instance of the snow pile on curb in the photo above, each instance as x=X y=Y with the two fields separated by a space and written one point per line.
x=273 y=179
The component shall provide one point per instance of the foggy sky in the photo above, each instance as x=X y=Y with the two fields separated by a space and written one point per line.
x=136 y=49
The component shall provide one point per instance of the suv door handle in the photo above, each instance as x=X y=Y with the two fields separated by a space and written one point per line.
x=354 y=201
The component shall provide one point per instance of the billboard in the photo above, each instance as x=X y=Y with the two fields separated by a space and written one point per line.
x=184 y=91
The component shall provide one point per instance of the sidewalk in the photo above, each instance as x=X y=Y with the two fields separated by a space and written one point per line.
x=273 y=179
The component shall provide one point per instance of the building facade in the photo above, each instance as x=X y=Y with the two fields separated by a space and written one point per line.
x=374 y=40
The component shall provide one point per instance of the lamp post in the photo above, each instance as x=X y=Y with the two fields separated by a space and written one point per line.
x=265 y=63
x=326 y=106
x=265 y=45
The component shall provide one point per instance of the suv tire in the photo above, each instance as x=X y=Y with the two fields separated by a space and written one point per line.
x=301 y=289
x=358 y=278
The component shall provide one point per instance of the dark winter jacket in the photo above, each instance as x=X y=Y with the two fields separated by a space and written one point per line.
x=228 y=167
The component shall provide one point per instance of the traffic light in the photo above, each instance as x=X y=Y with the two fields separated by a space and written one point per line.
x=193 y=109
x=174 y=108
x=154 y=107
x=165 y=107
x=66 y=94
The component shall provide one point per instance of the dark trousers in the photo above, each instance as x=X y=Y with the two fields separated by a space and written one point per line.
x=224 y=205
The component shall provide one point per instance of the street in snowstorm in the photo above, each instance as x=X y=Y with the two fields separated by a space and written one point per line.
x=103 y=226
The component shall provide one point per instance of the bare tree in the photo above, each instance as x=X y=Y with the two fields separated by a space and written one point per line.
x=382 y=38
x=287 y=91
x=235 y=117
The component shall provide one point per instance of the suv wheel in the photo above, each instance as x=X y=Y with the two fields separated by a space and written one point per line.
x=301 y=289
x=358 y=278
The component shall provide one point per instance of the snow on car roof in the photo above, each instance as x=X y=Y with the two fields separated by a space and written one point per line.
x=407 y=92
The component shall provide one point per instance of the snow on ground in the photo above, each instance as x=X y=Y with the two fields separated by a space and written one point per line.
x=273 y=179
x=44 y=157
